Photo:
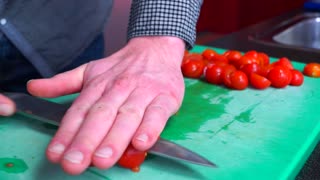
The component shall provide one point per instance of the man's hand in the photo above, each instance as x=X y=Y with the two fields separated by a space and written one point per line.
x=7 y=107
x=125 y=98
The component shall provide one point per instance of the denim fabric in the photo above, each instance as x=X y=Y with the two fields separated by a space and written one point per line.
x=15 y=70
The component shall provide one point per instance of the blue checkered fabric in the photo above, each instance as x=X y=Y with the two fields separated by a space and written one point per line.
x=165 y=18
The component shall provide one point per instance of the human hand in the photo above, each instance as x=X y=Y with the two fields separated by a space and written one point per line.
x=125 y=98
x=7 y=106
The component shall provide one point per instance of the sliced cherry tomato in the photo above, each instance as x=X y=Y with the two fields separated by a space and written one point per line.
x=297 y=78
x=192 y=68
x=250 y=68
x=226 y=71
x=213 y=74
x=132 y=158
x=312 y=70
x=209 y=54
x=259 y=82
x=239 y=80
x=283 y=62
x=279 y=76
x=264 y=70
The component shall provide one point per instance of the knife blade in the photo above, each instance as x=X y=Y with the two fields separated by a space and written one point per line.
x=52 y=113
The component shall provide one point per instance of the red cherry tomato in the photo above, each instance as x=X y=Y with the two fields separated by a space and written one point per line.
x=213 y=74
x=225 y=75
x=283 y=62
x=132 y=158
x=218 y=58
x=192 y=68
x=246 y=59
x=312 y=70
x=264 y=59
x=233 y=56
x=251 y=53
x=209 y=54
x=264 y=70
x=259 y=82
x=297 y=78
x=239 y=80
x=250 y=68
x=279 y=76
x=191 y=56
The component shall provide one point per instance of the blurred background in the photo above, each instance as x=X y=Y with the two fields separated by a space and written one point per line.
x=217 y=18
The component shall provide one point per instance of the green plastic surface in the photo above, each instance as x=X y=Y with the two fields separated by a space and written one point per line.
x=250 y=134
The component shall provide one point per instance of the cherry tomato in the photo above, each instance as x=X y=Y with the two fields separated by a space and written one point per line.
x=283 y=62
x=250 y=68
x=297 y=78
x=218 y=58
x=233 y=56
x=251 y=53
x=191 y=56
x=225 y=75
x=239 y=80
x=245 y=59
x=264 y=59
x=259 y=82
x=132 y=158
x=209 y=54
x=213 y=74
x=279 y=76
x=264 y=70
x=192 y=68
x=218 y=63
x=312 y=70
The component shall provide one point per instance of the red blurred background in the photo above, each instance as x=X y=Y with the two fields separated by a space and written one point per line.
x=225 y=16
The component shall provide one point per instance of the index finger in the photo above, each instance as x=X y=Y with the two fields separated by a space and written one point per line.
x=7 y=106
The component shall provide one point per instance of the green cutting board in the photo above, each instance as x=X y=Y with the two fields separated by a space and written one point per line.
x=250 y=134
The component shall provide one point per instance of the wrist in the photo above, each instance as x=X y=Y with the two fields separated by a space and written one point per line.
x=171 y=47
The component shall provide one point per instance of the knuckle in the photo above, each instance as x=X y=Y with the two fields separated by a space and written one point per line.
x=88 y=142
x=65 y=135
x=101 y=107
x=130 y=111
x=77 y=108
x=159 y=109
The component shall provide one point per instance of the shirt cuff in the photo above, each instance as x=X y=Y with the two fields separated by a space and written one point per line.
x=165 y=18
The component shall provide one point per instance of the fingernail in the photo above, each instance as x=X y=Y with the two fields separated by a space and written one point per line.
x=104 y=152
x=6 y=109
x=29 y=81
x=57 y=148
x=75 y=157
x=142 y=138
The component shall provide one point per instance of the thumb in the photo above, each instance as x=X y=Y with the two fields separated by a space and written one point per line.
x=61 y=84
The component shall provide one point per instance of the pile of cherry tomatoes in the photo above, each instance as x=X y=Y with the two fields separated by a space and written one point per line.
x=236 y=70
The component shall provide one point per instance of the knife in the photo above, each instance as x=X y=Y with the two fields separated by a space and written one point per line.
x=52 y=113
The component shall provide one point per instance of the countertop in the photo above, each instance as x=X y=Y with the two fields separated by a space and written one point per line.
x=240 y=40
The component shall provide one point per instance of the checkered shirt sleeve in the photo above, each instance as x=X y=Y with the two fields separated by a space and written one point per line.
x=165 y=18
